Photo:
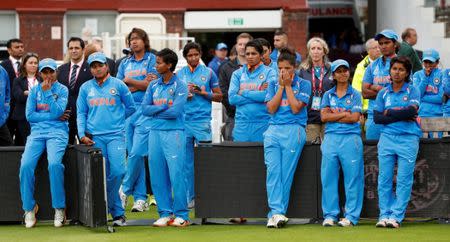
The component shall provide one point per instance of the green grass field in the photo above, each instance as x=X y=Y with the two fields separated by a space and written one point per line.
x=365 y=231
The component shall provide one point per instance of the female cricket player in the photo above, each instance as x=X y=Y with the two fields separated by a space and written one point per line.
x=396 y=109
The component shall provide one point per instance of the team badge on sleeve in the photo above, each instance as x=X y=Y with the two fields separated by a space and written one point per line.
x=55 y=96
x=113 y=91
x=171 y=91
x=348 y=101
x=261 y=76
x=436 y=81
x=203 y=78
x=405 y=98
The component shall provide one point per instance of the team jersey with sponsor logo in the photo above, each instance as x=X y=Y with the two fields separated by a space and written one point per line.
x=247 y=94
x=446 y=84
x=103 y=109
x=164 y=104
x=431 y=92
x=138 y=70
x=377 y=73
x=350 y=102
x=198 y=107
x=284 y=115
x=388 y=99
x=44 y=108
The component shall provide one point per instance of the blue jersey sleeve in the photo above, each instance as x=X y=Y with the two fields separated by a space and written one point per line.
x=148 y=109
x=356 y=102
x=304 y=92
x=270 y=91
x=56 y=100
x=213 y=80
x=368 y=75
x=151 y=67
x=121 y=70
x=127 y=99
x=180 y=99
x=446 y=81
x=379 y=101
x=260 y=96
x=420 y=83
x=233 y=92
x=4 y=76
x=82 y=111
x=325 y=100
x=414 y=97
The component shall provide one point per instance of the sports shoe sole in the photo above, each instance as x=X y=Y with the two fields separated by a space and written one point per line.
x=36 y=209
x=185 y=224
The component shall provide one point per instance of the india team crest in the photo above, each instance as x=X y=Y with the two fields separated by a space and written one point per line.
x=113 y=91
x=436 y=81
x=91 y=93
x=348 y=101
x=171 y=91
x=55 y=96
x=261 y=76
x=203 y=78
x=405 y=98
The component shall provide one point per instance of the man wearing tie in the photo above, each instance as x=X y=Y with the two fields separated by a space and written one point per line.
x=73 y=74
x=12 y=67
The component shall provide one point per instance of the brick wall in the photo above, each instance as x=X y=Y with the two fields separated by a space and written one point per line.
x=295 y=24
x=35 y=32
x=174 y=22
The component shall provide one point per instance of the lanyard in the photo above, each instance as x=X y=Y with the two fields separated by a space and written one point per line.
x=314 y=81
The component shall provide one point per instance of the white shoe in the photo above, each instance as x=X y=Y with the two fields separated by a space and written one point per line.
x=123 y=198
x=140 y=206
x=60 y=217
x=163 y=222
x=382 y=223
x=280 y=220
x=30 y=217
x=345 y=223
x=120 y=221
x=392 y=223
x=271 y=223
x=328 y=223
x=191 y=204
x=179 y=222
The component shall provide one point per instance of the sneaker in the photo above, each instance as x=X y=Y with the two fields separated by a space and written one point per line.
x=382 y=223
x=179 y=222
x=60 y=217
x=152 y=200
x=123 y=198
x=163 y=222
x=392 y=223
x=120 y=221
x=328 y=223
x=238 y=220
x=30 y=217
x=345 y=223
x=280 y=220
x=191 y=204
x=271 y=223
x=140 y=206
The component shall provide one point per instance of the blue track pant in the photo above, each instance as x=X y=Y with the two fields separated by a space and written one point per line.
x=283 y=145
x=113 y=150
x=134 y=181
x=167 y=165
x=37 y=142
x=345 y=151
x=400 y=149
x=194 y=132
x=372 y=129
x=249 y=132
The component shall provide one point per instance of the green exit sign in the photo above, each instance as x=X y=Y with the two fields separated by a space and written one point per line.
x=235 y=21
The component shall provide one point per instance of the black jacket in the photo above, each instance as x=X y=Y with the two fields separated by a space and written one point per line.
x=225 y=72
x=7 y=64
x=313 y=115
x=20 y=84
x=83 y=76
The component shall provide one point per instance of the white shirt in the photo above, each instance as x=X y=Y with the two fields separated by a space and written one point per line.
x=79 y=64
x=14 y=64
x=32 y=81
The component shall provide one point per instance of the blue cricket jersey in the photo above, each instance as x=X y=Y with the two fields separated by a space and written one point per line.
x=284 y=115
x=215 y=63
x=103 y=109
x=198 y=108
x=138 y=70
x=350 y=102
x=274 y=56
x=446 y=87
x=431 y=91
x=164 y=104
x=377 y=73
x=246 y=93
x=44 y=108
x=388 y=99
x=5 y=96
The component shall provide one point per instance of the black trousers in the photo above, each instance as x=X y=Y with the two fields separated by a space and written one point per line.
x=5 y=137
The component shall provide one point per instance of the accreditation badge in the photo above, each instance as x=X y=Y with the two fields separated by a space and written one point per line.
x=315 y=105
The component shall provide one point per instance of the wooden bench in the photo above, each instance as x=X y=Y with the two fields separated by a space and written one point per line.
x=434 y=126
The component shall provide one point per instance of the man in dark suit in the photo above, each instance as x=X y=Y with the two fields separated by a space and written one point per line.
x=12 y=67
x=73 y=74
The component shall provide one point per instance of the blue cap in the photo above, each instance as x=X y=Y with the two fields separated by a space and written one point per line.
x=388 y=33
x=430 y=55
x=97 y=57
x=337 y=63
x=47 y=63
x=220 y=46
